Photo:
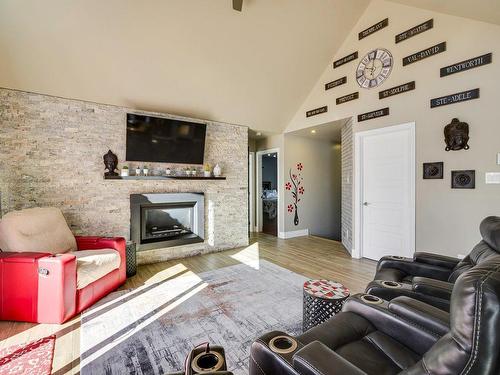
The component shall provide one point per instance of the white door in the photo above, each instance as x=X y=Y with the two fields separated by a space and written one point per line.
x=387 y=207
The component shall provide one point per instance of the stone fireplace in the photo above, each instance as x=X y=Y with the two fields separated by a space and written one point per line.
x=163 y=220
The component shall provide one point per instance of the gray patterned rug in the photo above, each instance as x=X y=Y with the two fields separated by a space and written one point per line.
x=150 y=329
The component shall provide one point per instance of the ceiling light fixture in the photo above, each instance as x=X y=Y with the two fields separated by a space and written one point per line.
x=313 y=131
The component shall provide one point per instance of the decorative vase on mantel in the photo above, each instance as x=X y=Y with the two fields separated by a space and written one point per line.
x=217 y=170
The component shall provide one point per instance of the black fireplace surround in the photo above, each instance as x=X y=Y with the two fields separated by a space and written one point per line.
x=161 y=220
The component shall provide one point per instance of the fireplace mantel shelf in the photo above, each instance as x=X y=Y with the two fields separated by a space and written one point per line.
x=162 y=178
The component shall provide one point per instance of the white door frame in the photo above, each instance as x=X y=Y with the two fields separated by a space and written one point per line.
x=258 y=190
x=357 y=250
x=251 y=191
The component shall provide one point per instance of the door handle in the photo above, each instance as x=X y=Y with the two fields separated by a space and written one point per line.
x=365 y=203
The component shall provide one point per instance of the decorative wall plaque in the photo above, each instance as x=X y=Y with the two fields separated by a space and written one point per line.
x=337 y=82
x=317 y=111
x=427 y=25
x=463 y=179
x=455 y=98
x=405 y=87
x=456 y=135
x=431 y=51
x=344 y=60
x=373 y=114
x=347 y=98
x=373 y=29
x=466 y=65
x=433 y=171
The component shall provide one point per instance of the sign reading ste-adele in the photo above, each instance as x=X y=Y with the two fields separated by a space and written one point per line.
x=455 y=98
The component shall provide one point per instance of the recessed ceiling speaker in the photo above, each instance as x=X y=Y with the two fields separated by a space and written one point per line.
x=238 y=5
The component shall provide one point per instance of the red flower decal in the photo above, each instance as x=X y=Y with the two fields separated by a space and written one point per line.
x=301 y=190
x=288 y=186
x=299 y=166
x=294 y=176
x=290 y=208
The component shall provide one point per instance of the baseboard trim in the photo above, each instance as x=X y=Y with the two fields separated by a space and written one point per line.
x=294 y=233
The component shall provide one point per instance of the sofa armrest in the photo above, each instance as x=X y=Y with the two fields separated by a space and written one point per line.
x=317 y=359
x=97 y=243
x=422 y=313
x=437 y=288
x=56 y=288
x=380 y=289
x=413 y=268
x=436 y=260
x=410 y=333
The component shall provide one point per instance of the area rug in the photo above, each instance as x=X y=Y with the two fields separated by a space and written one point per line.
x=151 y=329
x=34 y=358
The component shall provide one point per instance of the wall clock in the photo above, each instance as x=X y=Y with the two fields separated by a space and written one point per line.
x=374 y=68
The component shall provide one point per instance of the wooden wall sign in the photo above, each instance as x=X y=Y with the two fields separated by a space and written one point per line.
x=347 y=98
x=373 y=114
x=466 y=65
x=344 y=60
x=373 y=29
x=427 y=25
x=431 y=51
x=317 y=111
x=397 y=90
x=455 y=98
x=337 y=82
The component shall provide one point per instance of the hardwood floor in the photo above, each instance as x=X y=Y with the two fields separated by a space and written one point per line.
x=312 y=257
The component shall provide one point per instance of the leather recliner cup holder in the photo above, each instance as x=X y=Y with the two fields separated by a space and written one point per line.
x=207 y=362
x=391 y=284
x=396 y=257
x=372 y=300
x=283 y=344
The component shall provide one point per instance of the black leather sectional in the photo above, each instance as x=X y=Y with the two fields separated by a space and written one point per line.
x=430 y=315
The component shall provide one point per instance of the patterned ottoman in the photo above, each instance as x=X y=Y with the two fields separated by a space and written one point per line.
x=322 y=300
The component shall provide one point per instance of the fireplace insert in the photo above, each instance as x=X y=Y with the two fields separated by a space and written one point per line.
x=166 y=219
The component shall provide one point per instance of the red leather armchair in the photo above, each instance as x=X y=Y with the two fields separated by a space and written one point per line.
x=53 y=286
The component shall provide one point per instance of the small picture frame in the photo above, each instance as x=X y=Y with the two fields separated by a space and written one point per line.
x=433 y=171
x=463 y=179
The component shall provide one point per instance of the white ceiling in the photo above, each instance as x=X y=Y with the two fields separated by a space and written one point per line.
x=330 y=131
x=198 y=58
x=481 y=10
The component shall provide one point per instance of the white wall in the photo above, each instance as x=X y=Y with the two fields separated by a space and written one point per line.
x=447 y=220
x=319 y=209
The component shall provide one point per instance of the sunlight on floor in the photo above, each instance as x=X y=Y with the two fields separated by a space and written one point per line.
x=135 y=313
x=249 y=256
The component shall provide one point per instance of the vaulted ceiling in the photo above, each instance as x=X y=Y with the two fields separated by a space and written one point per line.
x=197 y=58
x=480 y=10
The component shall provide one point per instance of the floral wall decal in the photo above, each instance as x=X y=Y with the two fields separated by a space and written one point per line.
x=297 y=189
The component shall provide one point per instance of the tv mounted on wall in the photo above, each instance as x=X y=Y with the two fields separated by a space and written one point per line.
x=155 y=139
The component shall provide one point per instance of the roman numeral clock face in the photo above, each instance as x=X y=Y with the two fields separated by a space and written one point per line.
x=374 y=68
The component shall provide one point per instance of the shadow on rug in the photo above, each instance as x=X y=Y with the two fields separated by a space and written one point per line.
x=151 y=329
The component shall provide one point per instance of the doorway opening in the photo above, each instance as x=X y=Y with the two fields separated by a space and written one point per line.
x=269 y=193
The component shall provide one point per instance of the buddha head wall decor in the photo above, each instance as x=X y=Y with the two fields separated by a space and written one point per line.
x=456 y=135
x=110 y=162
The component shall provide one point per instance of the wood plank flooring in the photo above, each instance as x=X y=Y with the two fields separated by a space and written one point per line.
x=312 y=257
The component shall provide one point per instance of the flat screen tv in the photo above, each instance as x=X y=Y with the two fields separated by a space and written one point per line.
x=155 y=139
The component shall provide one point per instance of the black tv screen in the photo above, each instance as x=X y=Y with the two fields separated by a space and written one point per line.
x=155 y=139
